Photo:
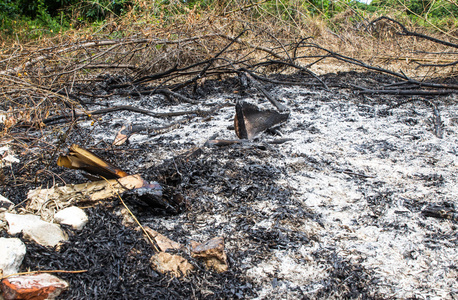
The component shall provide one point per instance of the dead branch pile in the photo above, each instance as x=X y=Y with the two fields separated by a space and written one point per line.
x=53 y=85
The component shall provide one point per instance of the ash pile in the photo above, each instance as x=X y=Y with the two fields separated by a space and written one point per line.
x=294 y=192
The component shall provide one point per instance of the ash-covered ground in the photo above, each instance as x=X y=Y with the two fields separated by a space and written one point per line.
x=336 y=212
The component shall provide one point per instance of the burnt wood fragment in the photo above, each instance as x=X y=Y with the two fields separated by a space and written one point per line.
x=441 y=212
x=162 y=200
x=82 y=159
x=250 y=121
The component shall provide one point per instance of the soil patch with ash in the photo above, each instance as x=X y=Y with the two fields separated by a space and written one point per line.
x=338 y=211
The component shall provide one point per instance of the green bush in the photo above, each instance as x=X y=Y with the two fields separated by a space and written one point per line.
x=34 y=9
x=98 y=10
x=9 y=8
x=55 y=15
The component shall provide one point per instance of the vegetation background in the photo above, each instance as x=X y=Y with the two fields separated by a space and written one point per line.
x=28 y=19
x=52 y=50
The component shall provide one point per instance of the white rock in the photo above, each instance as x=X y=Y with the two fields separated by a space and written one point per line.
x=7 y=158
x=5 y=204
x=2 y=116
x=12 y=251
x=33 y=228
x=73 y=216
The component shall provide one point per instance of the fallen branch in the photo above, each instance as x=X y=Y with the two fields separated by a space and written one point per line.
x=407 y=32
x=52 y=52
x=77 y=115
x=272 y=100
x=416 y=34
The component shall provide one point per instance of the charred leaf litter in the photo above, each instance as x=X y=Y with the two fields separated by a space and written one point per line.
x=344 y=208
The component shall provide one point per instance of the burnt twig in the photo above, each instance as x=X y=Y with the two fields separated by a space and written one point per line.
x=364 y=90
x=407 y=32
x=272 y=100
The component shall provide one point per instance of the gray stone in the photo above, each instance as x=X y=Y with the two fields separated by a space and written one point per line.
x=35 y=229
x=212 y=252
x=12 y=251
x=5 y=204
x=73 y=216
x=173 y=264
x=7 y=158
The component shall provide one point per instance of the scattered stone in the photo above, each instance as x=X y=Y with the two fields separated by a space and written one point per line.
x=3 y=116
x=212 y=252
x=174 y=264
x=5 y=204
x=162 y=241
x=12 y=251
x=36 y=287
x=73 y=216
x=35 y=229
x=7 y=158
x=127 y=219
x=3 y=224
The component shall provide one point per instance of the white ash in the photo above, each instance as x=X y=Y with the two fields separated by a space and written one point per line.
x=367 y=174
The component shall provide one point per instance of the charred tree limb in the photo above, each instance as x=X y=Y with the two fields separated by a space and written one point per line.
x=442 y=212
x=272 y=100
x=364 y=90
x=437 y=65
x=296 y=66
x=156 y=76
x=281 y=82
x=407 y=32
x=111 y=66
x=70 y=117
x=357 y=62
x=417 y=84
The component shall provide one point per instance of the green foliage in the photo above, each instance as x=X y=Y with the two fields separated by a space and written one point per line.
x=50 y=16
x=98 y=10
x=9 y=8
x=322 y=7
x=31 y=18
x=55 y=15
x=425 y=9
x=199 y=4
x=34 y=9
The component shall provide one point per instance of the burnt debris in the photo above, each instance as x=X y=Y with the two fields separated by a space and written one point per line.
x=250 y=121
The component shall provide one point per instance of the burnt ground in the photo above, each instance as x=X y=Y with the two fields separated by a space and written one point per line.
x=334 y=213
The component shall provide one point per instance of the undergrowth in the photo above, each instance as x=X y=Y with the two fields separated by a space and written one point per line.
x=28 y=20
